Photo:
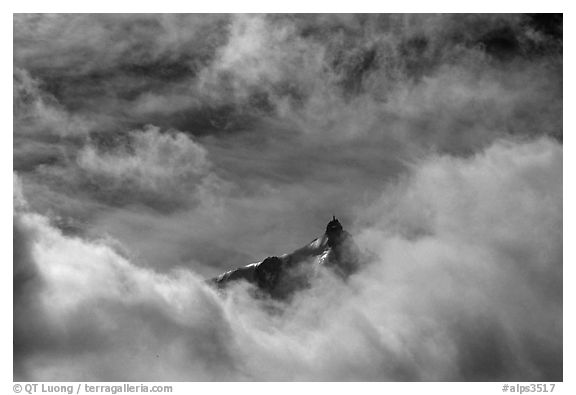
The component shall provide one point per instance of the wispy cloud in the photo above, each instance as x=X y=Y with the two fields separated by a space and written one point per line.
x=153 y=151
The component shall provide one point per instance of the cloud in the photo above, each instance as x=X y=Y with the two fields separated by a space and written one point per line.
x=328 y=73
x=466 y=284
x=125 y=307
x=151 y=166
x=36 y=111
x=479 y=241
x=436 y=139
x=97 y=43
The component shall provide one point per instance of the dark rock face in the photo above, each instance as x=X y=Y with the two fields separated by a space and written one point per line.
x=279 y=277
x=267 y=273
x=334 y=232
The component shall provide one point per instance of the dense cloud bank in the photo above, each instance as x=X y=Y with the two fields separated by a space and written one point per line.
x=153 y=151
x=465 y=284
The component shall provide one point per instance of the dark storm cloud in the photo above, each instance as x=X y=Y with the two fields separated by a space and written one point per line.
x=153 y=149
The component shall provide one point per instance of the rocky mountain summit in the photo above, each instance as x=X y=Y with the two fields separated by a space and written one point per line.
x=280 y=276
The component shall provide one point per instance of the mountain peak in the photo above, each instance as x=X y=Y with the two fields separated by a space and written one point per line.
x=279 y=276
x=334 y=231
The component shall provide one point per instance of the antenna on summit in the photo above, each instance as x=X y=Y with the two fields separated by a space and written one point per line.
x=333 y=218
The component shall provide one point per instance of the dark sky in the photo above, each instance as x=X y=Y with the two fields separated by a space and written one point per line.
x=152 y=151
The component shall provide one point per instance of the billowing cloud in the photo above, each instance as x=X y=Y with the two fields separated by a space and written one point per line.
x=162 y=166
x=154 y=151
x=466 y=284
